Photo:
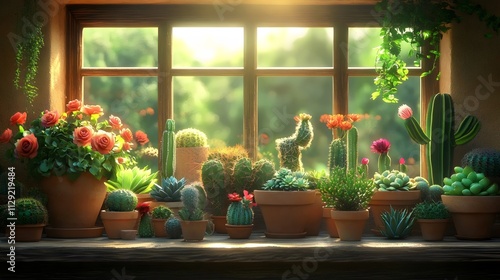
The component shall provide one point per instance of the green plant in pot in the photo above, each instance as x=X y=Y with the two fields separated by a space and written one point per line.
x=433 y=218
x=191 y=214
x=159 y=216
x=398 y=224
x=120 y=213
x=349 y=192
x=191 y=153
x=138 y=180
x=240 y=215
x=31 y=218
x=168 y=194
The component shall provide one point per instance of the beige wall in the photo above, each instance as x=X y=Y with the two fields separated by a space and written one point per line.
x=469 y=59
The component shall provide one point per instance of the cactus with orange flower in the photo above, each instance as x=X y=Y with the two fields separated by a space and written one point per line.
x=290 y=148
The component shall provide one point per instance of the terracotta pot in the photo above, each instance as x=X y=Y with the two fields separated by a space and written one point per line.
x=473 y=216
x=143 y=197
x=219 y=224
x=188 y=162
x=315 y=216
x=331 y=228
x=350 y=224
x=128 y=234
x=285 y=212
x=159 y=227
x=193 y=231
x=239 y=231
x=73 y=206
x=29 y=233
x=383 y=200
x=433 y=229
x=115 y=221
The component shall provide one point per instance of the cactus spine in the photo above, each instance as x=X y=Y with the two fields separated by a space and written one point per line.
x=263 y=170
x=168 y=149
x=338 y=154
x=290 y=148
x=240 y=213
x=440 y=137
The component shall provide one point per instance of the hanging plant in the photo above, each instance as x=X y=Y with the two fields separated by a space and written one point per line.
x=28 y=54
x=418 y=23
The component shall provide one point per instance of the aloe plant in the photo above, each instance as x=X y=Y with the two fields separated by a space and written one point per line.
x=139 y=181
x=397 y=223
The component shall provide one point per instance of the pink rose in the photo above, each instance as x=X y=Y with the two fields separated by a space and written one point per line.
x=18 y=118
x=27 y=147
x=127 y=135
x=82 y=136
x=74 y=105
x=92 y=109
x=102 y=142
x=115 y=122
x=141 y=137
x=6 y=136
x=50 y=118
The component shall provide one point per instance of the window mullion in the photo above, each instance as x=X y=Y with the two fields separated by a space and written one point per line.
x=340 y=64
x=165 y=91
x=250 y=95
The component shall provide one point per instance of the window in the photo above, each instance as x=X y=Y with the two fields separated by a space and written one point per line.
x=240 y=78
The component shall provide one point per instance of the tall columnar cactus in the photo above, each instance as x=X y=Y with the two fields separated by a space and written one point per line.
x=121 y=200
x=212 y=175
x=191 y=211
x=440 y=137
x=290 y=148
x=168 y=149
x=338 y=154
x=240 y=212
x=482 y=160
x=352 y=148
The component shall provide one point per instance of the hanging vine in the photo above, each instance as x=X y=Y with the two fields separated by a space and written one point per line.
x=419 y=23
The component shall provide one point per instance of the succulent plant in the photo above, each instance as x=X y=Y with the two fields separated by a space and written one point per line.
x=466 y=181
x=30 y=211
x=161 y=212
x=121 y=200
x=430 y=210
x=168 y=149
x=397 y=223
x=169 y=191
x=190 y=198
x=240 y=210
x=290 y=148
x=145 y=228
x=482 y=160
x=190 y=137
x=173 y=228
x=138 y=180
x=393 y=180
x=286 y=180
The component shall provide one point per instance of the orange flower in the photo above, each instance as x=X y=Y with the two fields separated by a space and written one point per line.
x=102 y=142
x=27 y=147
x=92 y=109
x=116 y=122
x=141 y=137
x=354 y=117
x=74 y=105
x=82 y=136
x=18 y=118
x=345 y=125
x=49 y=118
x=325 y=118
x=126 y=134
x=6 y=136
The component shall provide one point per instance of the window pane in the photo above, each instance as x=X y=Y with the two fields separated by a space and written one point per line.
x=207 y=47
x=282 y=98
x=120 y=47
x=381 y=121
x=294 y=47
x=134 y=101
x=213 y=105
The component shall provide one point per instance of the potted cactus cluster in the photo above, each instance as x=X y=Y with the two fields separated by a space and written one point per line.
x=31 y=217
x=193 y=223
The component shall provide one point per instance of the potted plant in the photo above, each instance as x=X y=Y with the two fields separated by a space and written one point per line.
x=240 y=215
x=31 y=218
x=285 y=195
x=120 y=213
x=350 y=192
x=145 y=228
x=192 y=222
x=138 y=180
x=473 y=201
x=433 y=218
x=72 y=154
x=191 y=153
x=173 y=228
x=160 y=215
x=168 y=194
x=398 y=224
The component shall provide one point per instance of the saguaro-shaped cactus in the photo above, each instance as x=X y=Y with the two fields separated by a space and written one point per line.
x=168 y=149
x=290 y=148
x=440 y=137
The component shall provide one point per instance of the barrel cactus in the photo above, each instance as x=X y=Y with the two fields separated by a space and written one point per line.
x=30 y=211
x=290 y=148
x=190 y=137
x=482 y=160
x=121 y=200
x=173 y=228
x=240 y=210
x=393 y=180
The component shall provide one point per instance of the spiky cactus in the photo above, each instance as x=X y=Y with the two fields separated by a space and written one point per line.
x=240 y=210
x=190 y=198
x=440 y=137
x=337 y=154
x=212 y=175
x=169 y=191
x=30 y=211
x=290 y=148
x=173 y=228
x=482 y=160
x=145 y=228
x=352 y=148
x=242 y=175
x=168 y=149
x=263 y=170
x=161 y=212
x=190 y=137
x=121 y=200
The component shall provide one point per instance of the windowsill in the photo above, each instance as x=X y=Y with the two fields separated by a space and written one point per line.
x=222 y=3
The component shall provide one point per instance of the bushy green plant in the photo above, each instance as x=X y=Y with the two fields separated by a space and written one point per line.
x=190 y=137
x=121 y=200
x=190 y=198
x=161 y=212
x=346 y=190
x=431 y=210
x=138 y=180
x=286 y=180
x=397 y=223
x=30 y=211
x=467 y=182
x=169 y=191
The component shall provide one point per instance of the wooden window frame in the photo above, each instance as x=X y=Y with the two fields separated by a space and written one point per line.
x=164 y=17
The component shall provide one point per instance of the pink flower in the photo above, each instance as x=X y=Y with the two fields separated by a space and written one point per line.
x=49 y=118
x=18 y=118
x=365 y=161
x=401 y=161
x=234 y=197
x=405 y=112
x=27 y=147
x=82 y=136
x=247 y=195
x=103 y=142
x=116 y=122
x=127 y=135
x=74 y=105
x=6 y=136
x=380 y=146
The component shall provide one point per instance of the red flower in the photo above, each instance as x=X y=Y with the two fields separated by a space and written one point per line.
x=141 y=137
x=74 y=105
x=380 y=146
x=103 y=142
x=49 y=118
x=247 y=195
x=127 y=146
x=401 y=161
x=6 y=136
x=143 y=208
x=234 y=197
x=365 y=161
x=27 y=147
x=264 y=139
x=126 y=134
x=18 y=118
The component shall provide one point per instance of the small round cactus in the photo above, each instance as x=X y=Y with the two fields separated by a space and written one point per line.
x=121 y=200
x=190 y=137
x=173 y=228
x=30 y=211
x=483 y=160
x=161 y=212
